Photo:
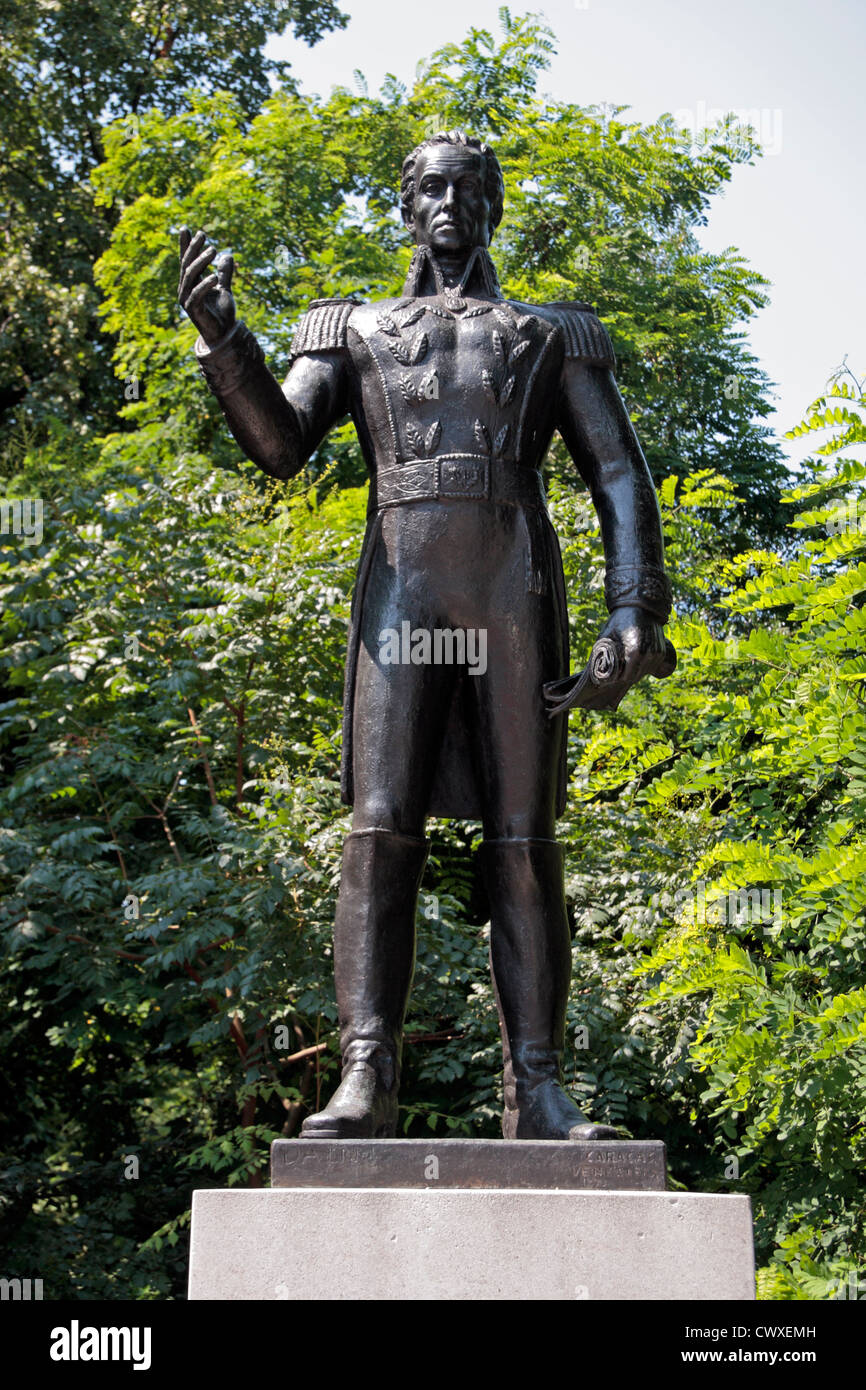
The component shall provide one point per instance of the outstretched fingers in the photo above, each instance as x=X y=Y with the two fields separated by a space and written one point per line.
x=189 y=246
x=225 y=271
x=193 y=269
x=204 y=287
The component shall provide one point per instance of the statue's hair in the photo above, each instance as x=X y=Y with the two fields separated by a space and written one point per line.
x=494 y=184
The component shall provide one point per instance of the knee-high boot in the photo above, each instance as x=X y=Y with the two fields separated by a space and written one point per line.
x=530 y=960
x=374 y=959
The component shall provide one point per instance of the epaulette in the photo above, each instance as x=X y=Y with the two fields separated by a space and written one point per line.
x=323 y=327
x=586 y=338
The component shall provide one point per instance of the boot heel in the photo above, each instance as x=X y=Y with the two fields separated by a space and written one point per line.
x=530 y=961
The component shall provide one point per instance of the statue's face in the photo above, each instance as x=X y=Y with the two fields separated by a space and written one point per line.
x=451 y=211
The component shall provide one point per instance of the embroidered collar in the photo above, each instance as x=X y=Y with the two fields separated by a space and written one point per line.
x=479 y=271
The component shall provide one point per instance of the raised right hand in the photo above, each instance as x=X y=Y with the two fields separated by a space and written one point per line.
x=206 y=298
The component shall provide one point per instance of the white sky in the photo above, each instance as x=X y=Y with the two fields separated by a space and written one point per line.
x=798 y=215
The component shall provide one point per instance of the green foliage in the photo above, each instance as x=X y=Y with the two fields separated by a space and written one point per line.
x=171 y=661
x=597 y=208
x=67 y=68
x=775 y=998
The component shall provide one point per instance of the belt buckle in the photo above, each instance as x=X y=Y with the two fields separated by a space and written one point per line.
x=463 y=478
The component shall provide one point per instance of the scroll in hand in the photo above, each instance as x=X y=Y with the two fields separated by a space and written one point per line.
x=606 y=678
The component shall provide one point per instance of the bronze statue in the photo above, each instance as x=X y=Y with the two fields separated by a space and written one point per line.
x=455 y=393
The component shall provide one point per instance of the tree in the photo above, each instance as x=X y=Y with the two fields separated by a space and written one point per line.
x=171 y=652
x=597 y=208
x=777 y=995
x=66 y=70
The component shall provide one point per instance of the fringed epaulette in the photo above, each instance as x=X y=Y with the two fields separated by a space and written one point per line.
x=323 y=327
x=586 y=338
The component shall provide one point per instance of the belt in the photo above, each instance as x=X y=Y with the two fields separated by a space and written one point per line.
x=460 y=475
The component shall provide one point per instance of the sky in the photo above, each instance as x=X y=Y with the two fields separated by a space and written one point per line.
x=797 y=215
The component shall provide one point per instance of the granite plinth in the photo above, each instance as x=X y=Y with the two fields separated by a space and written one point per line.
x=431 y=1243
x=470 y=1163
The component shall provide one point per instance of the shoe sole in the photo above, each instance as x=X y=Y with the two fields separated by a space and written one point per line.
x=383 y=1132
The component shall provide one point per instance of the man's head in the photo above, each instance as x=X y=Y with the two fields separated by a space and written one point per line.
x=452 y=192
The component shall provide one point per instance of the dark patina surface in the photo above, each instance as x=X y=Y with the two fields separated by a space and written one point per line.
x=455 y=393
x=563 y=1165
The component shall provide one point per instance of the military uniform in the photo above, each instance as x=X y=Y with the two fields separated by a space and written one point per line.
x=455 y=394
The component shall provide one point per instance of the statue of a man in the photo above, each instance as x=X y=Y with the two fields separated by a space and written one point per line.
x=455 y=393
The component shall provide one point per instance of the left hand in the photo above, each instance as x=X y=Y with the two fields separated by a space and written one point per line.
x=632 y=644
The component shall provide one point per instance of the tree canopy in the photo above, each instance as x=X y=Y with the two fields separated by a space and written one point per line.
x=68 y=68
x=172 y=644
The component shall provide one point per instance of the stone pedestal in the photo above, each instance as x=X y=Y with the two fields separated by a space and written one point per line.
x=471 y=1163
x=469 y=1220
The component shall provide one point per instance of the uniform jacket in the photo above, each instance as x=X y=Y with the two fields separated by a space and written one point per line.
x=444 y=383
